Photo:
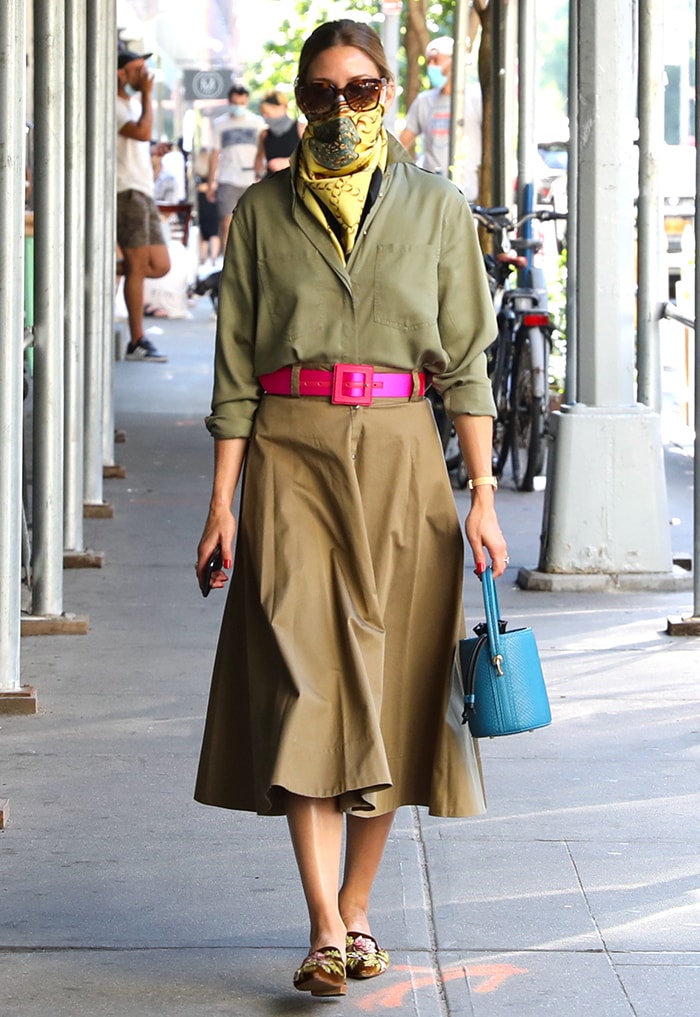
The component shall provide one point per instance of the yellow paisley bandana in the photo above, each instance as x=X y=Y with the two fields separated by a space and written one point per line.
x=337 y=159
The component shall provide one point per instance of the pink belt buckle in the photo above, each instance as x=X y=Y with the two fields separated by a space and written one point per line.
x=352 y=384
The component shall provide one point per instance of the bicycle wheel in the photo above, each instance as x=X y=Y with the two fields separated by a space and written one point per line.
x=499 y=365
x=460 y=473
x=527 y=441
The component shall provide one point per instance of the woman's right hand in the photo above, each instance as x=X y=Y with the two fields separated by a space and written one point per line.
x=219 y=531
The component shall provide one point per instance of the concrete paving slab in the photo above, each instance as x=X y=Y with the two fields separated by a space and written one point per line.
x=660 y=985
x=583 y=801
x=503 y=896
x=532 y=984
x=644 y=896
x=201 y=983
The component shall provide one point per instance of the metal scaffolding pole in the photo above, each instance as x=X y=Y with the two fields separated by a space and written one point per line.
x=500 y=194
x=696 y=391
x=108 y=88
x=96 y=198
x=459 y=84
x=527 y=145
x=391 y=39
x=12 y=143
x=571 y=383
x=689 y=625
x=76 y=89
x=651 y=290
x=49 y=195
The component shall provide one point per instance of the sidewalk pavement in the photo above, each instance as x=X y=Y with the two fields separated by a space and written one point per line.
x=578 y=893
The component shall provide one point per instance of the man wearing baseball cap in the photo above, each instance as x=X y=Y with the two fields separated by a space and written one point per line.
x=139 y=233
x=429 y=118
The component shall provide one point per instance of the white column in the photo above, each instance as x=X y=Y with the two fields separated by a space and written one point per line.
x=606 y=513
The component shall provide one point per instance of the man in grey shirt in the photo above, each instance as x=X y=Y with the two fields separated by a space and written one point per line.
x=429 y=118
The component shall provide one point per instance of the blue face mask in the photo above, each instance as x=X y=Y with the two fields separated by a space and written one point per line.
x=435 y=76
x=238 y=111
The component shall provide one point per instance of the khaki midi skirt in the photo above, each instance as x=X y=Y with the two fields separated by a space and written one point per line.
x=334 y=673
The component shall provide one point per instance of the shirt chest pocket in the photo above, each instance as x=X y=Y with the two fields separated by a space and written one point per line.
x=300 y=293
x=406 y=285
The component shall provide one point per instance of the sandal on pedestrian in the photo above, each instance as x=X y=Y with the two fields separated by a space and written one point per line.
x=366 y=959
x=322 y=973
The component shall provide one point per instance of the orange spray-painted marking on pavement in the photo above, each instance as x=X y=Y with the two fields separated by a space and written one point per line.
x=392 y=996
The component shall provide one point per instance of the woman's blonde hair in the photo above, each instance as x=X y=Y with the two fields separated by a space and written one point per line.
x=275 y=98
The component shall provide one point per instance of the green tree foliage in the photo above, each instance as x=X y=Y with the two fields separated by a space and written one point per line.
x=553 y=48
x=277 y=65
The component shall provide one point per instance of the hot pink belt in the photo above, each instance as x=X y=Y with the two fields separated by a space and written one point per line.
x=347 y=384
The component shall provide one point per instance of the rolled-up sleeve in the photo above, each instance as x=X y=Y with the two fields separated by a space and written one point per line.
x=236 y=390
x=467 y=321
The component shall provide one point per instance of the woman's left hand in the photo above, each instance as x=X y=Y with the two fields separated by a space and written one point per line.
x=484 y=533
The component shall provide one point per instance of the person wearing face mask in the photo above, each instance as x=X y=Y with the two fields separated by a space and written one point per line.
x=232 y=161
x=429 y=118
x=352 y=279
x=140 y=239
x=280 y=138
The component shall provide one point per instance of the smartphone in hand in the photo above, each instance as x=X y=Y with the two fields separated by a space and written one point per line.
x=213 y=565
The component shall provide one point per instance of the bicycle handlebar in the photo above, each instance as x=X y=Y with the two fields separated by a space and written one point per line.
x=498 y=218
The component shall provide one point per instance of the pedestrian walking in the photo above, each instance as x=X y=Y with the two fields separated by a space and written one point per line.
x=281 y=136
x=207 y=218
x=429 y=119
x=232 y=163
x=352 y=279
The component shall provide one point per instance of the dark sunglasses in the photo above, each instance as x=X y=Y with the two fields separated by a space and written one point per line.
x=320 y=97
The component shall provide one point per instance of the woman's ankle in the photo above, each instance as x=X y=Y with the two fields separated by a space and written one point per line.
x=328 y=934
x=355 y=915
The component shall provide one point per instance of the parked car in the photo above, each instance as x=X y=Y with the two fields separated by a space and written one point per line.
x=553 y=162
x=677 y=181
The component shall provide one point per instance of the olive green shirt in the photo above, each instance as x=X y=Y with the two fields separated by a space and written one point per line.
x=413 y=295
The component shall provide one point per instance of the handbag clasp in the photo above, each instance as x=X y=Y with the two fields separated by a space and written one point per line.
x=497 y=662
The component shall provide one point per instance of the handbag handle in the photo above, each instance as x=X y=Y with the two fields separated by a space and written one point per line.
x=491 y=610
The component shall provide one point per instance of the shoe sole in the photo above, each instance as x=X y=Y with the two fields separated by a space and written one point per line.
x=320 y=987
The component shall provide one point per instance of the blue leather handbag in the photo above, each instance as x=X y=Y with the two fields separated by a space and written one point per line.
x=504 y=690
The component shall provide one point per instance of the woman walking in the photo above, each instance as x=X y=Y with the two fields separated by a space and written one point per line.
x=351 y=281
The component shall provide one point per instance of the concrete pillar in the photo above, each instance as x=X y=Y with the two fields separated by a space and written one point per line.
x=605 y=518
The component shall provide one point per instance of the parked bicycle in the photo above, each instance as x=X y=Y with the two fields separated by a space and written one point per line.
x=519 y=358
x=448 y=436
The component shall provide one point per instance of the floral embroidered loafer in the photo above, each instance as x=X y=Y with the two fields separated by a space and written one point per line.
x=366 y=959
x=322 y=973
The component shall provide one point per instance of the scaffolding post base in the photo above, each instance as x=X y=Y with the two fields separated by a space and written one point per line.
x=55 y=625
x=83 y=559
x=18 y=702
x=676 y=626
